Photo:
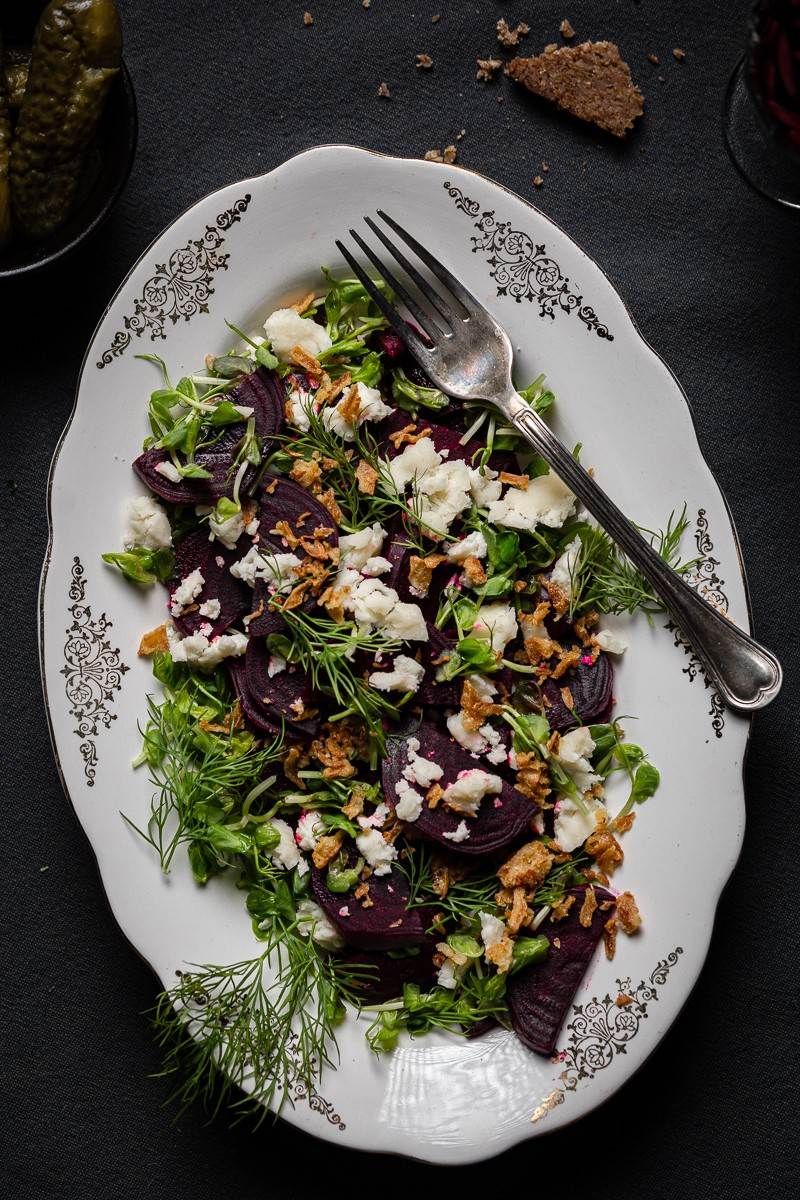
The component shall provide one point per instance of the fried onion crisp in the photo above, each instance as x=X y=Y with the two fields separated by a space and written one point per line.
x=307 y=361
x=366 y=478
x=501 y=954
x=519 y=913
x=434 y=794
x=328 y=500
x=407 y=436
x=516 y=481
x=327 y=848
x=628 y=913
x=300 y=306
x=307 y=473
x=560 y=910
x=610 y=936
x=154 y=642
x=588 y=907
x=293 y=761
x=533 y=777
x=474 y=571
x=527 y=867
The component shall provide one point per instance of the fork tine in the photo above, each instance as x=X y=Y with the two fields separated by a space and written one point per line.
x=465 y=297
x=398 y=323
x=426 y=322
x=430 y=293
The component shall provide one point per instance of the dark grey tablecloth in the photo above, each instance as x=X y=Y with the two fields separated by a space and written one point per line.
x=711 y=272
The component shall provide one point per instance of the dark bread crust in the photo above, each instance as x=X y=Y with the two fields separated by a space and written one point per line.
x=590 y=81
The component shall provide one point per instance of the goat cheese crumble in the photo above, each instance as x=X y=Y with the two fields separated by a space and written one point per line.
x=405 y=676
x=286 y=329
x=186 y=592
x=147 y=524
x=469 y=789
x=545 y=501
x=379 y=853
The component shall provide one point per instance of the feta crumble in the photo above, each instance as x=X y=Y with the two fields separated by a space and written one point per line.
x=186 y=592
x=492 y=929
x=275 y=665
x=422 y=771
x=545 y=501
x=379 y=854
x=496 y=624
x=370 y=408
x=310 y=828
x=147 y=524
x=277 y=569
x=611 y=642
x=376 y=606
x=563 y=572
x=413 y=463
x=313 y=921
x=405 y=676
x=357 y=549
x=286 y=329
x=169 y=471
x=474 y=544
x=484 y=488
x=574 y=753
x=210 y=608
x=228 y=531
x=571 y=827
x=459 y=834
x=287 y=853
x=198 y=651
x=469 y=789
x=409 y=803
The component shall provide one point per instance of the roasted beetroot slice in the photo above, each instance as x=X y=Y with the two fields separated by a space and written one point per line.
x=254 y=715
x=591 y=687
x=444 y=437
x=269 y=621
x=263 y=392
x=385 y=981
x=386 y=924
x=445 y=695
x=274 y=695
x=289 y=502
x=492 y=828
x=196 y=552
x=539 y=995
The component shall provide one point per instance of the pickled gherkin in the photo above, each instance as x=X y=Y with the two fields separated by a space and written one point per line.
x=76 y=53
x=5 y=159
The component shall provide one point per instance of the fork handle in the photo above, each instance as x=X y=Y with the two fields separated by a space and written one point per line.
x=748 y=676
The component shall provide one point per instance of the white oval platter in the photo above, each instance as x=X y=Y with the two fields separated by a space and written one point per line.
x=236 y=254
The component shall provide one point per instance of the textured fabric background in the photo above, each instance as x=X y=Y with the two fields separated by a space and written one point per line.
x=711 y=272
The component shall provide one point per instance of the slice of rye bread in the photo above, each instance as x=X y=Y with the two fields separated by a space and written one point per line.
x=590 y=81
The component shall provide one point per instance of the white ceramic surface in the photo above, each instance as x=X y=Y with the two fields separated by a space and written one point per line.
x=236 y=254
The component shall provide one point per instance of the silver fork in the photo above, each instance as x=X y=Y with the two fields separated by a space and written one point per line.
x=468 y=355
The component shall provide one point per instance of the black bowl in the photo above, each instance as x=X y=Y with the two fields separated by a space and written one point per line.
x=108 y=165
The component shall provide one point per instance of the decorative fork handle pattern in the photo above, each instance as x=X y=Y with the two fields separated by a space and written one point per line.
x=747 y=675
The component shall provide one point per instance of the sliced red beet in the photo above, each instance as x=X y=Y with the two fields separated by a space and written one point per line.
x=269 y=621
x=388 y=974
x=387 y=923
x=274 y=695
x=288 y=501
x=447 y=693
x=591 y=686
x=196 y=552
x=263 y=392
x=539 y=995
x=254 y=714
x=496 y=824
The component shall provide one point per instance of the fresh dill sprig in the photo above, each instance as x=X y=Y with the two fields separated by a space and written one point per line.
x=464 y=898
x=480 y=996
x=604 y=579
x=266 y=1025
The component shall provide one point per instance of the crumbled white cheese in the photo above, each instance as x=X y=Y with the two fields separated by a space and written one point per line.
x=470 y=739
x=299 y=406
x=483 y=686
x=469 y=789
x=198 y=651
x=370 y=408
x=459 y=834
x=563 y=573
x=356 y=549
x=446 y=975
x=210 y=608
x=379 y=854
x=496 y=624
x=277 y=569
x=287 y=853
x=422 y=771
x=286 y=329
x=169 y=471
x=571 y=827
x=442 y=494
x=251 y=527
x=474 y=545
x=228 y=531
x=484 y=488
x=303 y=867
x=497 y=752
x=376 y=566
x=377 y=819
x=147 y=524
x=275 y=665
x=414 y=462
x=405 y=676
x=409 y=804
x=492 y=929
x=376 y=606
x=611 y=642
x=545 y=501
x=310 y=828
x=244 y=411
x=311 y=919
x=187 y=591
x=574 y=753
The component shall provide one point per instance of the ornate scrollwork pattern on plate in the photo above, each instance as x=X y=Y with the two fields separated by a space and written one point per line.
x=704 y=579
x=180 y=287
x=300 y=1090
x=523 y=269
x=600 y=1030
x=92 y=669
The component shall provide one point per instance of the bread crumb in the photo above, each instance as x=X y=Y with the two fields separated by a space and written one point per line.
x=487 y=68
x=654 y=59
x=365 y=3
x=383 y=90
x=590 y=81
x=308 y=19
x=448 y=155
x=545 y=166
x=436 y=17
x=679 y=54
x=460 y=135
x=425 y=61
x=566 y=30
x=510 y=37
x=623 y=1000
x=537 y=181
